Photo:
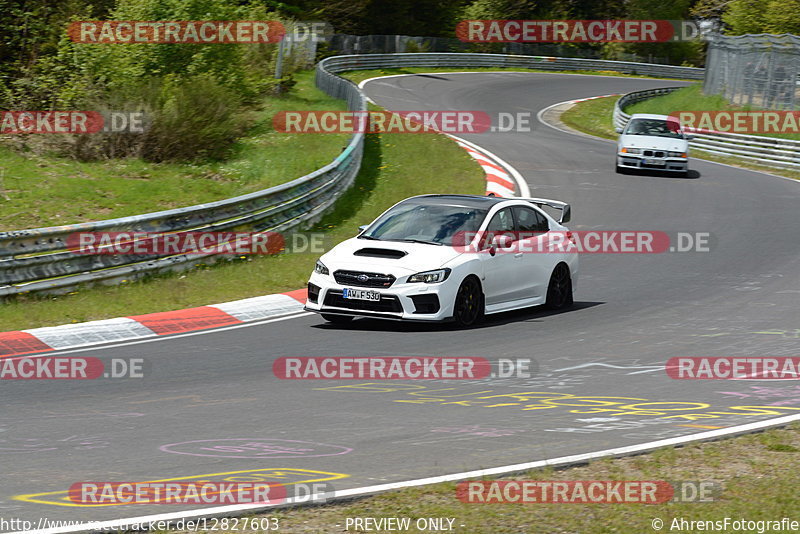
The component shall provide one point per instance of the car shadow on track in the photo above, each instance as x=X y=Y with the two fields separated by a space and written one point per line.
x=533 y=314
x=691 y=175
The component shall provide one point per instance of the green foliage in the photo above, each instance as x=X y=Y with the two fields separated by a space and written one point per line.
x=745 y=16
x=758 y=16
x=192 y=93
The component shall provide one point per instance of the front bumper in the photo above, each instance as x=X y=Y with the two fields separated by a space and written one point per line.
x=402 y=301
x=636 y=161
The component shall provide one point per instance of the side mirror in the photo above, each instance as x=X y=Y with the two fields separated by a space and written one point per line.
x=618 y=129
x=566 y=214
x=688 y=137
x=502 y=241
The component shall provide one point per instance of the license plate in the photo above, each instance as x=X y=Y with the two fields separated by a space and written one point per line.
x=360 y=294
x=655 y=162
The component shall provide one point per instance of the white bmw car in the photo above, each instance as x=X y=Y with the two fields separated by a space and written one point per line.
x=449 y=257
x=653 y=142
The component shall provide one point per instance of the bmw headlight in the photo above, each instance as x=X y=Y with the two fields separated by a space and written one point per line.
x=320 y=268
x=629 y=150
x=430 y=277
x=676 y=154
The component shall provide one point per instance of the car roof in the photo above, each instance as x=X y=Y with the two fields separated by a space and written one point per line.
x=649 y=116
x=467 y=201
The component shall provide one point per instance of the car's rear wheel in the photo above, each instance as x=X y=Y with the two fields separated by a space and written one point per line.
x=559 y=290
x=468 y=308
x=336 y=319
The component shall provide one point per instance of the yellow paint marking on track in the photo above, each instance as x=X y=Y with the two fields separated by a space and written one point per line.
x=703 y=426
x=272 y=474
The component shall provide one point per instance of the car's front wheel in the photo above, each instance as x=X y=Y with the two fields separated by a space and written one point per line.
x=559 y=290
x=468 y=308
x=336 y=319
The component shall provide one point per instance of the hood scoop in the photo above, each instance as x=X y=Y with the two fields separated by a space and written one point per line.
x=380 y=253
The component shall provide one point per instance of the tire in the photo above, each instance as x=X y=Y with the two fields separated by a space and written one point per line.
x=336 y=319
x=468 y=307
x=559 y=290
x=618 y=169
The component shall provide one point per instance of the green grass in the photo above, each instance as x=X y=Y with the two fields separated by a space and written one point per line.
x=594 y=117
x=758 y=481
x=38 y=191
x=395 y=166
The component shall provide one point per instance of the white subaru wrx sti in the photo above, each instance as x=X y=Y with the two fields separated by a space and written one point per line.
x=443 y=257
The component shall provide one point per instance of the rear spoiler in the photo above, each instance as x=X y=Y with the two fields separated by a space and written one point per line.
x=566 y=210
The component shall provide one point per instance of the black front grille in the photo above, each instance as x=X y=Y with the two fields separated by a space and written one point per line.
x=655 y=153
x=313 y=293
x=388 y=303
x=361 y=279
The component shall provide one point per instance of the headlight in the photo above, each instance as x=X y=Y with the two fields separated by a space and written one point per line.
x=320 y=268
x=629 y=150
x=430 y=277
x=676 y=154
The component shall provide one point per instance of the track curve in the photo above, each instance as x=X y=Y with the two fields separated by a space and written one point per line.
x=633 y=313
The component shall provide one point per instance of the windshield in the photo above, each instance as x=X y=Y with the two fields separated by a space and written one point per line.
x=654 y=127
x=435 y=224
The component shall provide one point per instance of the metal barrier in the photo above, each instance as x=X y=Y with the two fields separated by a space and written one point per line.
x=38 y=260
x=771 y=151
x=378 y=61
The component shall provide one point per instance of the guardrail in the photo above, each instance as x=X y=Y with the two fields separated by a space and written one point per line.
x=38 y=260
x=771 y=151
x=455 y=59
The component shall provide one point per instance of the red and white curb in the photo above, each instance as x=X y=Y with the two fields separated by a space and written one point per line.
x=498 y=181
x=150 y=325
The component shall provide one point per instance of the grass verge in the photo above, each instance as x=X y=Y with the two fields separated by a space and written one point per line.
x=594 y=117
x=757 y=474
x=37 y=191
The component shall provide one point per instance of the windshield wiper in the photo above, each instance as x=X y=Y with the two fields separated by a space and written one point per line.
x=417 y=241
x=371 y=238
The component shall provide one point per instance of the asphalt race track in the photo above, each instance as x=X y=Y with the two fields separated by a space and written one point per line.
x=632 y=313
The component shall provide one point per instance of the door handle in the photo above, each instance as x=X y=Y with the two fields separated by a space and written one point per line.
x=518 y=255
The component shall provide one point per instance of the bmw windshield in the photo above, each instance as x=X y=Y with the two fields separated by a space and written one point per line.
x=423 y=222
x=654 y=127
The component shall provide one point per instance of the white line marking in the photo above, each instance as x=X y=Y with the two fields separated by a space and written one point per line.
x=561 y=461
